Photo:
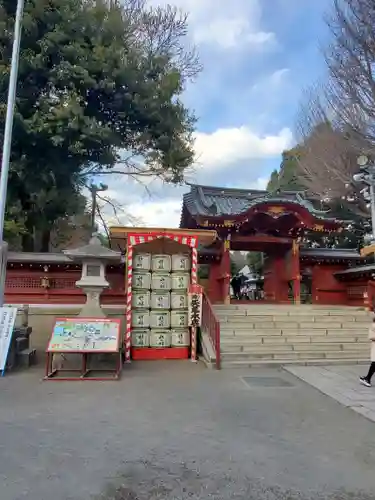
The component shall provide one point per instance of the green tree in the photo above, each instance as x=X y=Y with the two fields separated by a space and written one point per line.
x=14 y=227
x=98 y=93
x=273 y=183
x=289 y=177
x=255 y=261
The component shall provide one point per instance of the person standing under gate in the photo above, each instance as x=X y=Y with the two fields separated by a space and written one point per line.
x=367 y=379
x=236 y=286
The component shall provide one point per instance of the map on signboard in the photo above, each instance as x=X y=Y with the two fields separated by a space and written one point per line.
x=85 y=335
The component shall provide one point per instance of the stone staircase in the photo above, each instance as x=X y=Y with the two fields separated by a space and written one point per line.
x=287 y=334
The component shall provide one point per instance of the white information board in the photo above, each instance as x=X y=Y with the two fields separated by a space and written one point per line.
x=7 y=321
x=82 y=335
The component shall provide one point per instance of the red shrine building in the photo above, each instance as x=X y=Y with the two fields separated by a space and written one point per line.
x=234 y=220
x=274 y=224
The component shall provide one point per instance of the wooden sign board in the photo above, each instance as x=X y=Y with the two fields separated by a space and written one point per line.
x=85 y=335
x=7 y=320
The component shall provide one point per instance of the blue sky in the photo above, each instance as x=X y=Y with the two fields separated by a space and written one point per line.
x=258 y=57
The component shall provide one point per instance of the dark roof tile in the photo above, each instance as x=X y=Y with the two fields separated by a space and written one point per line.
x=217 y=201
x=338 y=253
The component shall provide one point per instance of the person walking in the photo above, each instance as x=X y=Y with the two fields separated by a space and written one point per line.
x=366 y=381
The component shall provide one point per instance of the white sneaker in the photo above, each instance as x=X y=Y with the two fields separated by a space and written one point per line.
x=364 y=381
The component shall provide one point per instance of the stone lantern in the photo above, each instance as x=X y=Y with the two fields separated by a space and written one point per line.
x=94 y=257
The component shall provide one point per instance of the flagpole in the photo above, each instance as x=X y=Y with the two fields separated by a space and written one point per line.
x=9 y=127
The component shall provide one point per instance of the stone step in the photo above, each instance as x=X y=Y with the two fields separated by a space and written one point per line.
x=329 y=338
x=248 y=332
x=272 y=322
x=243 y=364
x=262 y=305
x=290 y=310
x=275 y=317
x=295 y=325
x=303 y=347
x=275 y=340
x=291 y=334
x=293 y=355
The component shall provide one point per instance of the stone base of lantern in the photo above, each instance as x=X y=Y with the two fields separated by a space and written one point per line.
x=92 y=308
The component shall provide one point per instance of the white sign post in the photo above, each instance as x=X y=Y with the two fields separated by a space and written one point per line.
x=195 y=305
x=194 y=316
x=7 y=321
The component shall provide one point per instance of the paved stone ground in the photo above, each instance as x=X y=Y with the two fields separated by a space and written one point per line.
x=340 y=383
x=178 y=431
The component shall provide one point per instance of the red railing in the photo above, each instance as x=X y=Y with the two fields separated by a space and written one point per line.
x=211 y=326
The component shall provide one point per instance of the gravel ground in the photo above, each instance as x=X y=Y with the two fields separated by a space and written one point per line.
x=179 y=431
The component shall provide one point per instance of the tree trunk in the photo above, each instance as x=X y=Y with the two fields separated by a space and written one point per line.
x=28 y=242
x=45 y=240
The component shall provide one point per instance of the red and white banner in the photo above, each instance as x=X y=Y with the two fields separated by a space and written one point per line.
x=137 y=239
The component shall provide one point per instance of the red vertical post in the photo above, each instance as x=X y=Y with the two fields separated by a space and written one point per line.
x=225 y=271
x=296 y=273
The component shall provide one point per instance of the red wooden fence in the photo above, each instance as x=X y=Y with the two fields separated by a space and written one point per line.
x=57 y=287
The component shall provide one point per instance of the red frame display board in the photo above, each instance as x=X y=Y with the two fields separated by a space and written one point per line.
x=177 y=353
x=84 y=336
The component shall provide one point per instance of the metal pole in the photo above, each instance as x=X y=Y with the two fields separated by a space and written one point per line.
x=10 y=115
x=8 y=139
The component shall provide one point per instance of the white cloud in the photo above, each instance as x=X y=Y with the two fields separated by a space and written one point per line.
x=228 y=151
x=167 y=214
x=164 y=214
x=150 y=213
x=231 y=145
x=158 y=213
x=231 y=33
x=225 y=24
x=271 y=82
x=278 y=76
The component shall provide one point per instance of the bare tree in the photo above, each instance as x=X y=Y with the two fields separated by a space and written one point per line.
x=327 y=152
x=350 y=59
x=162 y=31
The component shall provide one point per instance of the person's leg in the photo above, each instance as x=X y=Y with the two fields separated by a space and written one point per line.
x=367 y=380
x=371 y=371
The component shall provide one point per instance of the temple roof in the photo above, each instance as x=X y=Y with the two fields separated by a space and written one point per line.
x=365 y=270
x=337 y=253
x=220 y=201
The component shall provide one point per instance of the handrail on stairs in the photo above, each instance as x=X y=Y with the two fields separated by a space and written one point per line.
x=211 y=325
